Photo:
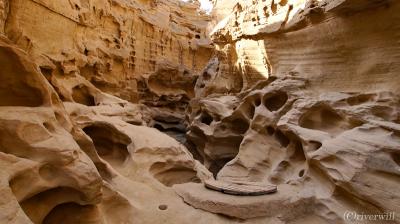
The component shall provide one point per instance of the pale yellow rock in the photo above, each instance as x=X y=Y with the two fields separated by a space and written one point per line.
x=119 y=111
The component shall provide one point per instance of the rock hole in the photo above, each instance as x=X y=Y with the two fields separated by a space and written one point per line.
x=250 y=111
x=197 y=36
x=163 y=207
x=265 y=9
x=327 y=120
x=240 y=126
x=171 y=174
x=81 y=214
x=301 y=173
x=298 y=154
x=283 y=165
x=40 y=205
x=206 y=76
x=274 y=7
x=283 y=2
x=270 y=130
x=110 y=144
x=257 y=102
x=81 y=95
x=283 y=140
x=276 y=101
x=206 y=118
x=49 y=172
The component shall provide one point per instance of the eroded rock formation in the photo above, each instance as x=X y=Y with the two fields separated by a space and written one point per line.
x=329 y=153
x=118 y=111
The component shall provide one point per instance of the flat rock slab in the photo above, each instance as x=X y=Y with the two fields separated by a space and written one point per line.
x=240 y=188
x=288 y=202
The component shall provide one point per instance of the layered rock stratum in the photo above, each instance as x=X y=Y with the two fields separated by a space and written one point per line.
x=118 y=111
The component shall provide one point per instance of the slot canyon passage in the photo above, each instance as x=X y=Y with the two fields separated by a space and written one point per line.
x=156 y=111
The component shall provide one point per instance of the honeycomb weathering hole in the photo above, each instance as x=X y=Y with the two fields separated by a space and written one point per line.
x=72 y=213
x=327 y=120
x=257 y=102
x=298 y=154
x=40 y=205
x=270 y=130
x=282 y=139
x=240 y=125
x=173 y=174
x=111 y=144
x=250 y=111
x=81 y=95
x=276 y=101
x=206 y=118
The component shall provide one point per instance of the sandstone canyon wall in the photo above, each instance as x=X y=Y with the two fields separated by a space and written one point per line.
x=120 y=111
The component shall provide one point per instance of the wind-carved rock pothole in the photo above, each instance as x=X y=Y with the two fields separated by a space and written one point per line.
x=81 y=214
x=39 y=206
x=43 y=199
x=171 y=174
x=325 y=119
x=276 y=101
x=111 y=144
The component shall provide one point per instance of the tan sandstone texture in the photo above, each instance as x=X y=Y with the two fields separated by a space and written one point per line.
x=119 y=111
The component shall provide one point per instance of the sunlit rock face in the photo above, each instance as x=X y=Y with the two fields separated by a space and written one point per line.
x=339 y=45
x=119 y=111
x=112 y=44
